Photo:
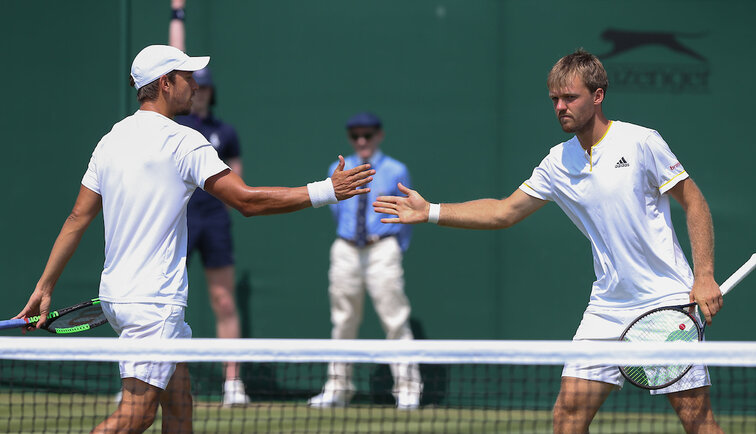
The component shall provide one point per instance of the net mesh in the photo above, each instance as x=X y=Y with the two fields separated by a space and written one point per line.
x=69 y=384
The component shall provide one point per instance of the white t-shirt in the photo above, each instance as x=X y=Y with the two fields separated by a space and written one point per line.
x=615 y=196
x=146 y=169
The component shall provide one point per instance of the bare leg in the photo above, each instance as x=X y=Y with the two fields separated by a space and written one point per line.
x=577 y=404
x=694 y=409
x=220 y=283
x=137 y=409
x=176 y=402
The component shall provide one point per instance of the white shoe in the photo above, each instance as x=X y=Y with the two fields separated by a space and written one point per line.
x=234 y=394
x=329 y=399
x=407 y=401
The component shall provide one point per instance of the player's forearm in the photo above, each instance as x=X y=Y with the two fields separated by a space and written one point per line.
x=475 y=214
x=701 y=234
x=255 y=201
x=63 y=249
x=490 y=213
x=700 y=226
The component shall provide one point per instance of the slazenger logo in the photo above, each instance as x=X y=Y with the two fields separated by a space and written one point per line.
x=625 y=40
x=688 y=74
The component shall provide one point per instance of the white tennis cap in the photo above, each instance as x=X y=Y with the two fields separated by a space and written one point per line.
x=155 y=61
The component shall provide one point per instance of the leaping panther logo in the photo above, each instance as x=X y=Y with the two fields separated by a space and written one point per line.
x=625 y=40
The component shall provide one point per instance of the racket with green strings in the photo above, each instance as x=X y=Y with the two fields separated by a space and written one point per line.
x=667 y=324
x=73 y=319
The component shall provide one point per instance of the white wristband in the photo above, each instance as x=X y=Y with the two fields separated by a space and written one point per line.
x=321 y=193
x=434 y=212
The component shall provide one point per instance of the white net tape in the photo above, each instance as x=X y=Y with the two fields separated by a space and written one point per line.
x=377 y=351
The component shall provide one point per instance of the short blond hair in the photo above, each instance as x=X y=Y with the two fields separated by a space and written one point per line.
x=582 y=64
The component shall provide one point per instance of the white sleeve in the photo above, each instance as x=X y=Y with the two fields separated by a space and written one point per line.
x=200 y=164
x=539 y=184
x=90 y=179
x=663 y=169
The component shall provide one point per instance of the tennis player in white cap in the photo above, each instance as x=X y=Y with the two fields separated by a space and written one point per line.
x=141 y=175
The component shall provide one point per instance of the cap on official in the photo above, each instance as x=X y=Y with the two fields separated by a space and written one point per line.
x=154 y=61
x=204 y=77
x=364 y=119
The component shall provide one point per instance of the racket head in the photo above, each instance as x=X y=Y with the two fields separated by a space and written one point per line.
x=78 y=318
x=664 y=324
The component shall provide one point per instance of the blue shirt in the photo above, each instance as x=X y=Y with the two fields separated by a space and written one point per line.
x=388 y=172
x=224 y=139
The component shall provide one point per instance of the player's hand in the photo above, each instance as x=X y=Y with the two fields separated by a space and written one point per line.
x=707 y=294
x=347 y=183
x=410 y=209
x=38 y=304
x=178 y=4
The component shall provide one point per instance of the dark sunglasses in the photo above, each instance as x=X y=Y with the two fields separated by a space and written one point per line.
x=367 y=136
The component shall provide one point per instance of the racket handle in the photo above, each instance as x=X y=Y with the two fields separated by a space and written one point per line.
x=13 y=323
x=739 y=275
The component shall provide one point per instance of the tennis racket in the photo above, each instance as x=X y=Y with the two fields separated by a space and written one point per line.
x=72 y=319
x=667 y=324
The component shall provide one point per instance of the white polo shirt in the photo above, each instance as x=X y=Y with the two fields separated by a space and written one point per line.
x=615 y=196
x=146 y=169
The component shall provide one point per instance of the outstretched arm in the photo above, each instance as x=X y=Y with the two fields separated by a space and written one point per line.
x=88 y=205
x=476 y=214
x=251 y=201
x=705 y=290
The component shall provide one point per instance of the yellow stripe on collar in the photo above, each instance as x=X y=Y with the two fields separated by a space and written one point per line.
x=599 y=141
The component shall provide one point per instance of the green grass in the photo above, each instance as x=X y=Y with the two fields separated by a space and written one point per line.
x=45 y=413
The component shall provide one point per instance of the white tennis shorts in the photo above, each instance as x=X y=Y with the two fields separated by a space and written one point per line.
x=608 y=325
x=144 y=321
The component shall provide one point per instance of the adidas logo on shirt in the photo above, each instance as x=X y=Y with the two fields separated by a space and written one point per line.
x=622 y=163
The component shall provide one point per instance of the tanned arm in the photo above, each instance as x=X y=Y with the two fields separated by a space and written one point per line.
x=705 y=290
x=253 y=201
x=88 y=205
x=476 y=214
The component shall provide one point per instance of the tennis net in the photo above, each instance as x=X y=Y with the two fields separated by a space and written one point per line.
x=68 y=384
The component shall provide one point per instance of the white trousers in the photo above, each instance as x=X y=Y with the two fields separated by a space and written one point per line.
x=377 y=268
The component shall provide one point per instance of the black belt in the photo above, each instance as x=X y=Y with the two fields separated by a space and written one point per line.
x=372 y=239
